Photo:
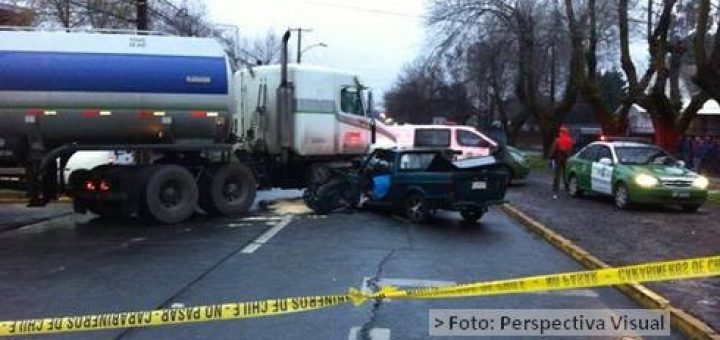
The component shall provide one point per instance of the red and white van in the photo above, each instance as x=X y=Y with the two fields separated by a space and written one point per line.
x=465 y=139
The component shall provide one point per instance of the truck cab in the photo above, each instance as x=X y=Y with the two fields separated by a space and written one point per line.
x=329 y=115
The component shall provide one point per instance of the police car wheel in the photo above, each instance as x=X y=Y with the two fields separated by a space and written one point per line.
x=690 y=207
x=573 y=187
x=621 y=196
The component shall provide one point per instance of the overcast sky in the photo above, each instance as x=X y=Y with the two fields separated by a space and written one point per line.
x=372 y=38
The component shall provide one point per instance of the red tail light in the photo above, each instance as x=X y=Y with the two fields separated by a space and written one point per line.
x=34 y=112
x=91 y=113
x=198 y=114
x=90 y=186
x=104 y=186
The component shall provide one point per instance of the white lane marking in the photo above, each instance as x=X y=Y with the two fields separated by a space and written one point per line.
x=572 y=292
x=266 y=236
x=263 y=218
x=177 y=305
x=375 y=333
x=421 y=283
x=403 y=283
x=238 y=225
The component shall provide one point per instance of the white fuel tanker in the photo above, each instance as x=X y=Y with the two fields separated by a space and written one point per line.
x=201 y=133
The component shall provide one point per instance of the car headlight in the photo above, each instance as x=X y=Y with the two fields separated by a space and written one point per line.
x=645 y=180
x=701 y=182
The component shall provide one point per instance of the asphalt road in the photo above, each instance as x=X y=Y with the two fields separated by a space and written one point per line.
x=81 y=265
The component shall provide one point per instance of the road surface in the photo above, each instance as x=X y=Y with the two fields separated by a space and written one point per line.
x=79 y=264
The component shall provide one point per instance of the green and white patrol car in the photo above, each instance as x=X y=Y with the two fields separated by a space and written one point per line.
x=634 y=173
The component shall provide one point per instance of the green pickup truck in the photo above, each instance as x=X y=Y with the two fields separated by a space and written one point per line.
x=421 y=181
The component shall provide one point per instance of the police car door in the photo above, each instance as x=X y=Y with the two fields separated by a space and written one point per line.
x=602 y=170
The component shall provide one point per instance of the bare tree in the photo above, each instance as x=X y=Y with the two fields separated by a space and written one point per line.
x=262 y=50
x=670 y=114
x=530 y=25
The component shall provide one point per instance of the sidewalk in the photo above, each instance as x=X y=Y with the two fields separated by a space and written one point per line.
x=627 y=237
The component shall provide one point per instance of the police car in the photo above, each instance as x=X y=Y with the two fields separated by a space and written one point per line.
x=634 y=172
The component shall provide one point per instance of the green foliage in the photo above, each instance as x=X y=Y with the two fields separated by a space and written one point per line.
x=613 y=87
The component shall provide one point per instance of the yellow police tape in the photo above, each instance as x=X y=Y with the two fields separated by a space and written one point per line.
x=655 y=271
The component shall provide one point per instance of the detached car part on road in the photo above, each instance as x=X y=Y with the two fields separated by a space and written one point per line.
x=416 y=181
x=635 y=173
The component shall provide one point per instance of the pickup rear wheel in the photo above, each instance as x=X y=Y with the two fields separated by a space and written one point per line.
x=471 y=216
x=170 y=194
x=416 y=208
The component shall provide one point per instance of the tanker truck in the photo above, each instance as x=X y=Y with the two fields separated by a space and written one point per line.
x=201 y=133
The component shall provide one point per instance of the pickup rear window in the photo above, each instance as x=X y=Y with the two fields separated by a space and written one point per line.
x=424 y=162
x=432 y=137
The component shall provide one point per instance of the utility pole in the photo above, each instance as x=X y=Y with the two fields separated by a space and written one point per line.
x=299 y=40
x=141 y=7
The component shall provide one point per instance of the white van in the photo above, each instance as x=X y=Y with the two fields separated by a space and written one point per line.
x=465 y=139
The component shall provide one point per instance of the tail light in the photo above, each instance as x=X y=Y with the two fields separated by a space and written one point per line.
x=90 y=186
x=104 y=186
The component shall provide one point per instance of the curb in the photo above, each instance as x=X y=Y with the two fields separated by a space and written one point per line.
x=690 y=326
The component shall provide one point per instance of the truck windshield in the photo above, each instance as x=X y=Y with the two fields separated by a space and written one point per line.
x=351 y=101
x=643 y=155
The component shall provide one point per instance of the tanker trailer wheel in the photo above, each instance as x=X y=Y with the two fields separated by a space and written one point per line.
x=170 y=194
x=227 y=190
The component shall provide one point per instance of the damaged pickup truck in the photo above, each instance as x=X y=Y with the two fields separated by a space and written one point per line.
x=416 y=181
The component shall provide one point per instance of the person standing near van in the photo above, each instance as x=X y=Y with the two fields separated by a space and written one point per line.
x=560 y=152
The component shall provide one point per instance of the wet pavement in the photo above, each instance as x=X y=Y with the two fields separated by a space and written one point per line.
x=79 y=264
x=642 y=234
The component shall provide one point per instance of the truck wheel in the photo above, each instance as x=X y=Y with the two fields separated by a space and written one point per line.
x=170 y=194
x=471 y=216
x=228 y=190
x=416 y=208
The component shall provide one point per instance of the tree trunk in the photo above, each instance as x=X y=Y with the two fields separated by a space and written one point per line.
x=666 y=136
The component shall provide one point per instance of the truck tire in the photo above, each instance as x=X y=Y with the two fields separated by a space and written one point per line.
x=471 y=216
x=227 y=190
x=170 y=194
x=416 y=208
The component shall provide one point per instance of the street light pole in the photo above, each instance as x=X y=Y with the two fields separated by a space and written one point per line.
x=299 y=40
x=310 y=47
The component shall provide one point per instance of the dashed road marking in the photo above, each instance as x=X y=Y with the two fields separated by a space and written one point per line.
x=573 y=292
x=403 y=283
x=266 y=236
x=375 y=333
x=238 y=225
x=263 y=218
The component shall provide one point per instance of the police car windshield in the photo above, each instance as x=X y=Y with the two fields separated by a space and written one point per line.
x=643 y=155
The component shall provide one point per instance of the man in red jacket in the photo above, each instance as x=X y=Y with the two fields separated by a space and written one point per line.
x=560 y=152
